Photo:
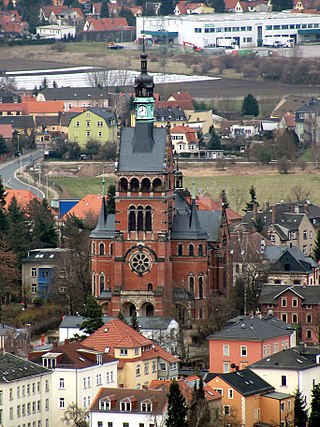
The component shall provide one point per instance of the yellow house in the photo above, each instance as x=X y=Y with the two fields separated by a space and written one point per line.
x=140 y=359
x=200 y=120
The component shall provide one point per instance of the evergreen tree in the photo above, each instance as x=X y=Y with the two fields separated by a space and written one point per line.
x=44 y=234
x=250 y=106
x=3 y=212
x=253 y=199
x=134 y=321
x=104 y=11
x=314 y=419
x=18 y=236
x=10 y=5
x=54 y=84
x=214 y=142
x=111 y=206
x=300 y=412
x=224 y=198
x=121 y=317
x=316 y=248
x=218 y=5
x=35 y=91
x=177 y=409
x=167 y=7
x=93 y=315
x=199 y=413
x=3 y=146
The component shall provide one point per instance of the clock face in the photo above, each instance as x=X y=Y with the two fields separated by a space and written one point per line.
x=142 y=110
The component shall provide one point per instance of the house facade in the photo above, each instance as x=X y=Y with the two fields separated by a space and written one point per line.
x=245 y=340
x=95 y=124
x=184 y=139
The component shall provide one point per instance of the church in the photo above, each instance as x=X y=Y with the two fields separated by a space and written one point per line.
x=158 y=254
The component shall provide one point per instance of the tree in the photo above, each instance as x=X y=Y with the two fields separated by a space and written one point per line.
x=93 y=315
x=3 y=212
x=54 y=84
x=104 y=11
x=214 y=140
x=111 y=206
x=224 y=198
x=3 y=146
x=8 y=275
x=250 y=106
x=43 y=234
x=167 y=7
x=121 y=317
x=8 y=83
x=316 y=248
x=279 y=5
x=314 y=419
x=199 y=412
x=177 y=409
x=75 y=416
x=287 y=145
x=218 y=5
x=300 y=412
x=253 y=200
x=134 y=321
x=18 y=236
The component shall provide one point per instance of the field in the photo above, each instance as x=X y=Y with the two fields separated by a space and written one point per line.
x=237 y=180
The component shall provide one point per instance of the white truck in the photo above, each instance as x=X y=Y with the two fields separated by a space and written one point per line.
x=227 y=43
x=278 y=42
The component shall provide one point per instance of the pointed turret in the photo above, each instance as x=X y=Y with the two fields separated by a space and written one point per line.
x=194 y=223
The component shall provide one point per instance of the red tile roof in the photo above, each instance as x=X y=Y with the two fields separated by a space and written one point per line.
x=11 y=106
x=41 y=107
x=205 y=202
x=230 y=4
x=290 y=120
x=23 y=196
x=190 y=133
x=55 y=9
x=107 y=24
x=89 y=205
x=6 y=131
x=182 y=96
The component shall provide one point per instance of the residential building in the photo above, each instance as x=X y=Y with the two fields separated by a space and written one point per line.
x=75 y=97
x=22 y=124
x=14 y=340
x=185 y=8
x=25 y=392
x=296 y=304
x=107 y=29
x=95 y=123
x=250 y=400
x=140 y=359
x=308 y=122
x=38 y=271
x=164 y=115
x=245 y=339
x=289 y=370
x=7 y=97
x=11 y=109
x=158 y=253
x=128 y=407
x=23 y=197
x=56 y=31
x=43 y=108
x=248 y=29
x=50 y=14
x=200 y=120
x=289 y=104
x=78 y=373
x=184 y=139
x=245 y=130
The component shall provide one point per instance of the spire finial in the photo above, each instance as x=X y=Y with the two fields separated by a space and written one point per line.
x=103 y=185
x=193 y=189
x=143 y=44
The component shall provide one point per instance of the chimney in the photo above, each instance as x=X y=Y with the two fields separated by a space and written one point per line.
x=54 y=344
x=273 y=215
x=255 y=211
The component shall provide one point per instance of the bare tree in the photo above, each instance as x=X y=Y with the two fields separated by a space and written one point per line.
x=299 y=193
x=238 y=195
x=8 y=83
x=75 y=416
x=311 y=135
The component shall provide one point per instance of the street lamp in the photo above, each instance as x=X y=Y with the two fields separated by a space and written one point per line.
x=19 y=151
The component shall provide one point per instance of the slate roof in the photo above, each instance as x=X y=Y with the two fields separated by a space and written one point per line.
x=169 y=114
x=44 y=255
x=290 y=103
x=73 y=93
x=308 y=294
x=20 y=122
x=106 y=225
x=246 y=382
x=251 y=329
x=47 y=120
x=289 y=358
x=13 y=368
x=279 y=256
x=7 y=96
x=101 y=112
x=142 y=149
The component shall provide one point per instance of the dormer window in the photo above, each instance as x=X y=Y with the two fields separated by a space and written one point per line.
x=125 y=406
x=49 y=362
x=146 y=406
x=99 y=359
x=105 y=404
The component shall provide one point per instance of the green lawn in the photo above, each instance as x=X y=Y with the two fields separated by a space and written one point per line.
x=269 y=188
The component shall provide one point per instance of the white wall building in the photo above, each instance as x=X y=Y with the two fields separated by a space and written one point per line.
x=25 y=391
x=77 y=375
x=56 y=31
x=248 y=29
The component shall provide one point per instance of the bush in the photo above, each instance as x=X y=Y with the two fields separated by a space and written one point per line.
x=38 y=302
x=283 y=165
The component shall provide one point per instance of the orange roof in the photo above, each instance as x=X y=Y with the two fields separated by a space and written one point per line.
x=76 y=109
x=230 y=4
x=290 y=119
x=55 y=9
x=23 y=197
x=90 y=204
x=190 y=133
x=107 y=24
x=206 y=203
x=31 y=107
x=184 y=104
x=6 y=131
x=11 y=106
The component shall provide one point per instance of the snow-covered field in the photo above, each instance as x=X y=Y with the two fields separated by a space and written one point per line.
x=88 y=76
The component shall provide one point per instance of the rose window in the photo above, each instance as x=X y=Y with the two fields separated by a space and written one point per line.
x=140 y=262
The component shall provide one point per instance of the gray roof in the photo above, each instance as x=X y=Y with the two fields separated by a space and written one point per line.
x=289 y=358
x=47 y=120
x=101 y=112
x=251 y=329
x=66 y=116
x=292 y=256
x=169 y=114
x=277 y=395
x=20 y=122
x=142 y=149
x=106 y=225
x=13 y=368
x=186 y=224
x=312 y=106
x=45 y=254
x=246 y=382
x=75 y=93
x=308 y=294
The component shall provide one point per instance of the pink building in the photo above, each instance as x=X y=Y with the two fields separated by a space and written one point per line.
x=246 y=340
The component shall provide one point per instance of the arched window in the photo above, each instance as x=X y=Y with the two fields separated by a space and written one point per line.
x=191 y=283
x=123 y=184
x=148 y=218
x=150 y=287
x=134 y=184
x=111 y=249
x=145 y=184
x=101 y=282
x=200 y=284
x=101 y=248
x=149 y=310
x=200 y=250
x=93 y=248
x=132 y=218
x=191 y=250
x=157 y=184
x=140 y=219
x=180 y=249
x=132 y=309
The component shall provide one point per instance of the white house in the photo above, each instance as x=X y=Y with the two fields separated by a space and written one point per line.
x=55 y=31
x=128 y=407
x=245 y=130
x=78 y=373
x=184 y=139
x=288 y=370
x=25 y=391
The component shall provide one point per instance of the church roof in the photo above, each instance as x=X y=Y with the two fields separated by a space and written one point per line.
x=106 y=223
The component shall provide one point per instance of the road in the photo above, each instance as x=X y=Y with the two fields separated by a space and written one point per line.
x=8 y=172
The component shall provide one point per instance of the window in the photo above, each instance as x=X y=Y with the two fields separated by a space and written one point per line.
x=99 y=134
x=110 y=424
x=123 y=352
x=257 y=414
x=77 y=124
x=275 y=347
x=146 y=406
x=294 y=318
x=162 y=366
x=200 y=284
x=200 y=250
x=226 y=350
x=284 y=317
x=294 y=302
x=282 y=406
x=61 y=383
x=308 y=334
x=226 y=367
x=88 y=133
x=226 y=410
x=197 y=30
x=154 y=366
x=10 y=394
x=180 y=249
x=23 y=410
x=243 y=351
x=138 y=373
x=125 y=406
x=84 y=382
x=125 y=424
x=305 y=234
x=191 y=284
x=88 y=123
x=146 y=368
x=18 y=394
x=283 y=302
x=61 y=403
x=230 y=393
x=99 y=124
x=191 y=250
x=98 y=379
x=309 y=318
x=283 y=380
x=104 y=405
x=33 y=272
x=34 y=288
x=11 y=413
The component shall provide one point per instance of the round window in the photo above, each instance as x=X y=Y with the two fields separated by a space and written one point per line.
x=140 y=262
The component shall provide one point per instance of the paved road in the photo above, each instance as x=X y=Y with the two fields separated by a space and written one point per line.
x=8 y=172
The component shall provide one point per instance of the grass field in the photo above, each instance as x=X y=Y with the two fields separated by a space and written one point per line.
x=272 y=188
